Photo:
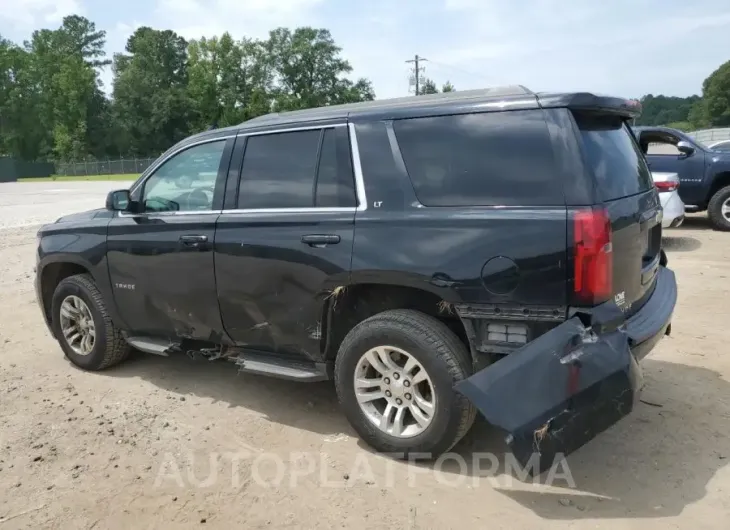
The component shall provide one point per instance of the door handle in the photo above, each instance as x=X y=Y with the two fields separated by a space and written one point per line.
x=320 y=240
x=193 y=241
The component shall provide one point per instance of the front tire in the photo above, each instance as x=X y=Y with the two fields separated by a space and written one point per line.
x=83 y=327
x=718 y=210
x=394 y=376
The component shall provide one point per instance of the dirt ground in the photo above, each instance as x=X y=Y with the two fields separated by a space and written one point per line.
x=178 y=443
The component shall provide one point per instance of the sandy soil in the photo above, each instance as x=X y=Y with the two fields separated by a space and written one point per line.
x=177 y=443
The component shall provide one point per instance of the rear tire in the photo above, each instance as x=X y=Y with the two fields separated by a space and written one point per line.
x=718 y=210
x=417 y=340
x=80 y=299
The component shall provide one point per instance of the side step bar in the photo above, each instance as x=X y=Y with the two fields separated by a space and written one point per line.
x=153 y=346
x=261 y=363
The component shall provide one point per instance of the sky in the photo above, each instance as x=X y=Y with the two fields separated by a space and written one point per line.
x=620 y=47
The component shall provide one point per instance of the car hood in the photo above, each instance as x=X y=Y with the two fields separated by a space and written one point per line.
x=85 y=216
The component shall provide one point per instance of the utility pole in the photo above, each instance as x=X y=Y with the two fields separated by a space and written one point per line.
x=416 y=78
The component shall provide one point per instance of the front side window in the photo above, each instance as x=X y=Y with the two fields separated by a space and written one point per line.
x=186 y=181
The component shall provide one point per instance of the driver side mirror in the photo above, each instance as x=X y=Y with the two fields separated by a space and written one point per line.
x=118 y=201
x=685 y=148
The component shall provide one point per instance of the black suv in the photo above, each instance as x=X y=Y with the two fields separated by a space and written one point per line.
x=496 y=250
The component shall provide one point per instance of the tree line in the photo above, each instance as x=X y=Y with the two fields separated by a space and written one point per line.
x=53 y=105
x=164 y=88
x=694 y=112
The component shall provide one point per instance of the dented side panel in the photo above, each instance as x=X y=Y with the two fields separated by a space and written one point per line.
x=272 y=287
x=163 y=288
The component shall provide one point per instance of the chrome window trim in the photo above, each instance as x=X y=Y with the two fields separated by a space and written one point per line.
x=155 y=165
x=292 y=129
x=344 y=209
x=170 y=214
x=356 y=169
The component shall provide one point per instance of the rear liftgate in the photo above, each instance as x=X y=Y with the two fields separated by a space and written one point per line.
x=561 y=390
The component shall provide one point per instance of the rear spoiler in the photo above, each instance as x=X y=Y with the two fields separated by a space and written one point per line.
x=629 y=108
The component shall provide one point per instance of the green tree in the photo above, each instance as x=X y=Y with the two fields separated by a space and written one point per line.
x=427 y=87
x=714 y=108
x=229 y=82
x=52 y=103
x=310 y=70
x=151 y=106
x=20 y=135
x=63 y=76
x=448 y=87
x=662 y=110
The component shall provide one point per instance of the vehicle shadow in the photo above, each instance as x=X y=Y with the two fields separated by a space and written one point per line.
x=680 y=243
x=698 y=221
x=309 y=406
x=652 y=464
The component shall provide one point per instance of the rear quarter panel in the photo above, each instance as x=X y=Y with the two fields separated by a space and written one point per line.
x=446 y=250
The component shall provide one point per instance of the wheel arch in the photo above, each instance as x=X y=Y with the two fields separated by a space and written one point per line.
x=347 y=306
x=720 y=181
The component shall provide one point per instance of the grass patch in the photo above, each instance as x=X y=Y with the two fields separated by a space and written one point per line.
x=60 y=178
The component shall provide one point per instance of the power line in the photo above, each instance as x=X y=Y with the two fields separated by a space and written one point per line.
x=416 y=79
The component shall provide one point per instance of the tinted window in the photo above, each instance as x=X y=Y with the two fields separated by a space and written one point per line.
x=186 y=181
x=614 y=156
x=335 y=184
x=658 y=143
x=488 y=159
x=278 y=170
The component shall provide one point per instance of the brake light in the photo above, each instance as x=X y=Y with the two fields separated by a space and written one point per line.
x=593 y=275
x=666 y=186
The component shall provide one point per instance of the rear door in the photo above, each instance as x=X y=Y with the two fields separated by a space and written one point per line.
x=625 y=189
x=284 y=241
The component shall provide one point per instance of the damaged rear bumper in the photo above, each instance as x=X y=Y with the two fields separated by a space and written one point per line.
x=561 y=390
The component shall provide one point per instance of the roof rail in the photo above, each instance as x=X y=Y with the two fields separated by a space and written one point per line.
x=493 y=92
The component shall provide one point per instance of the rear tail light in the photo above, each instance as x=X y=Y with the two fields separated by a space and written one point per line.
x=593 y=275
x=666 y=186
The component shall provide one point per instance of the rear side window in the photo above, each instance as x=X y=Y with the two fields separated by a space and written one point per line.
x=290 y=170
x=614 y=156
x=334 y=176
x=278 y=170
x=487 y=159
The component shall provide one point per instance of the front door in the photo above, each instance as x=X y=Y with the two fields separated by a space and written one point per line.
x=161 y=259
x=663 y=156
x=285 y=244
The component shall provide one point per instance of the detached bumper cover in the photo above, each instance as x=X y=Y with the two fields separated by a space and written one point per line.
x=561 y=390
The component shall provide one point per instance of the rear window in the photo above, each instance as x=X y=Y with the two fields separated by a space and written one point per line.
x=614 y=156
x=486 y=159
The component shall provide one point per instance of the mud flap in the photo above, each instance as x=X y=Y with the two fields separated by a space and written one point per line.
x=558 y=392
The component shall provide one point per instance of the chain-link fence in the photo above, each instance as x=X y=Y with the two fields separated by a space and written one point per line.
x=122 y=166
